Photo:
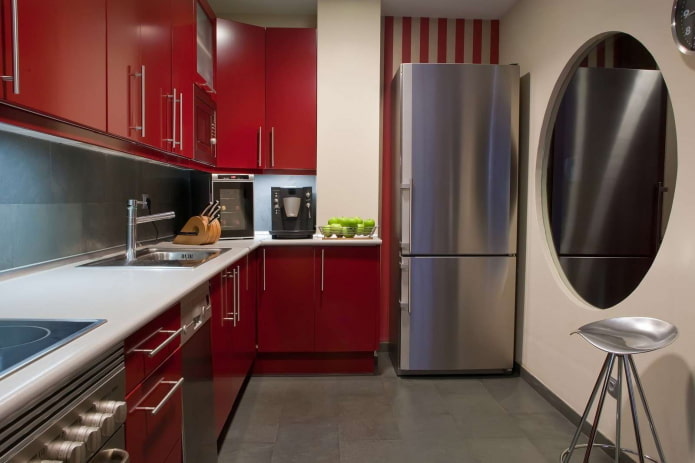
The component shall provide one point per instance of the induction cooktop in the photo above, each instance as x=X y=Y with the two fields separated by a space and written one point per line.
x=24 y=340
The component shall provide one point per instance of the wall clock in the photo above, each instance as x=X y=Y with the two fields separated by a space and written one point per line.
x=683 y=25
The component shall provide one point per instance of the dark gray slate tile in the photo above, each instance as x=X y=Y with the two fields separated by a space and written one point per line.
x=302 y=443
x=46 y=232
x=245 y=453
x=517 y=396
x=379 y=427
x=7 y=229
x=429 y=428
x=545 y=425
x=376 y=451
x=518 y=450
x=76 y=175
x=441 y=452
x=25 y=170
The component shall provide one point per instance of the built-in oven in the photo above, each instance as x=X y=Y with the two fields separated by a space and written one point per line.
x=235 y=195
x=79 y=420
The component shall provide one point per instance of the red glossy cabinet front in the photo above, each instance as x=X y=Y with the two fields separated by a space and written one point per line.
x=183 y=71
x=62 y=65
x=233 y=334
x=291 y=98
x=155 y=415
x=287 y=299
x=346 y=319
x=241 y=93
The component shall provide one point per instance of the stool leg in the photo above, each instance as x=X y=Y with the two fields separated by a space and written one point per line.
x=618 y=410
x=633 y=406
x=599 y=408
x=646 y=409
x=577 y=433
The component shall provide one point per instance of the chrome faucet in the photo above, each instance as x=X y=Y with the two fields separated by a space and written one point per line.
x=134 y=220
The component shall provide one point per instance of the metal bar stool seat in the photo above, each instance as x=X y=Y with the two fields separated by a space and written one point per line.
x=621 y=338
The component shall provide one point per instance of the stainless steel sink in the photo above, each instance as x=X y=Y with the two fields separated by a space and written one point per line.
x=158 y=257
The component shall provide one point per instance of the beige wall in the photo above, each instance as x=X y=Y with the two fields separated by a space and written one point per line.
x=349 y=54
x=543 y=36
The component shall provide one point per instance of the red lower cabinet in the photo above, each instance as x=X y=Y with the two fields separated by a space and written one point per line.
x=348 y=310
x=155 y=415
x=233 y=334
x=318 y=309
x=287 y=299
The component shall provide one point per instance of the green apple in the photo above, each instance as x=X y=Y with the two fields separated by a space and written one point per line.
x=360 y=229
x=336 y=229
x=333 y=220
x=348 y=232
x=358 y=220
x=369 y=226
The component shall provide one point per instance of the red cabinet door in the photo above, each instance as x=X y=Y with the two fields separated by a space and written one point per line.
x=205 y=127
x=155 y=415
x=124 y=91
x=155 y=53
x=287 y=299
x=183 y=71
x=241 y=95
x=62 y=61
x=246 y=312
x=223 y=359
x=347 y=314
x=291 y=98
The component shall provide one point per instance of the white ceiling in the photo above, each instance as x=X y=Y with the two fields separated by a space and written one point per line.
x=471 y=9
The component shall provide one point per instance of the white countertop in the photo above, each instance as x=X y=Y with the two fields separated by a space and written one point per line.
x=127 y=297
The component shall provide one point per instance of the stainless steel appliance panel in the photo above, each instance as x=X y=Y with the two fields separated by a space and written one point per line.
x=605 y=181
x=460 y=124
x=457 y=314
x=605 y=281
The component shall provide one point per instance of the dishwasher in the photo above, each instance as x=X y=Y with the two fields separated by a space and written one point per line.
x=199 y=442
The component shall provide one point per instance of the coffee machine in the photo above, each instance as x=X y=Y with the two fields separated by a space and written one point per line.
x=293 y=212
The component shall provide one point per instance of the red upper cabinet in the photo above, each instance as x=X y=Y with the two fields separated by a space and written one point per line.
x=347 y=316
x=291 y=98
x=241 y=95
x=183 y=73
x=287 y=299
x=59 y=49
x=267 y=97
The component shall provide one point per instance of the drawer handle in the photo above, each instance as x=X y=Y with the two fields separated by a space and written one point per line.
x=152 y=352
x=156 y=409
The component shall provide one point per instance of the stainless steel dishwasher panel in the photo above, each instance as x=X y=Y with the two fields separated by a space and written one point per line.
x=199 y=439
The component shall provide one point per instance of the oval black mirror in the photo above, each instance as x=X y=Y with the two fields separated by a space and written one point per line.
x=611 y=170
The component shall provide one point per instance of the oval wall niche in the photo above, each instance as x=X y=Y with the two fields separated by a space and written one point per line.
x=610 y=170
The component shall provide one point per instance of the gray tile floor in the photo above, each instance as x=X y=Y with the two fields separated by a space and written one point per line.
x=384 y=419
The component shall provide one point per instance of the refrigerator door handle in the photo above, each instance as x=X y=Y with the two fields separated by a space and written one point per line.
x=405 y=285
x=407 y=223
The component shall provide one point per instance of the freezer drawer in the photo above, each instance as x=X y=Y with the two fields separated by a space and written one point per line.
x=457 y=314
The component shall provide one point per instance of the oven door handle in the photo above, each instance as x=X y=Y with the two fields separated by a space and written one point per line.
x=112 y=456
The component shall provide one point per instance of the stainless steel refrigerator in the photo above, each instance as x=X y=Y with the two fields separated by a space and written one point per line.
x=455 y=132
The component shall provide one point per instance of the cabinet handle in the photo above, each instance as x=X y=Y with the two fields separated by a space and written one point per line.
x=156 y=409
x=143 y=106
x=264 y=270
x=181 y=121
x=238 y=295
x=152 y=352
x=15 y=50
x=260 y=144
x=173 y=121
x=247 y=272
x=113 y=455
x=272 y=147
x=322 y=259
x=234 y=295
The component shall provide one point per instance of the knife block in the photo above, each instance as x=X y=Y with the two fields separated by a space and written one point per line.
x=198 y=230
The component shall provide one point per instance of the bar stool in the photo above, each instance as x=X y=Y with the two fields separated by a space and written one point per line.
x=621 y=338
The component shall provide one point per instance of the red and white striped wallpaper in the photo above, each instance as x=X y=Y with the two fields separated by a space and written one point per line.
x=421 y=40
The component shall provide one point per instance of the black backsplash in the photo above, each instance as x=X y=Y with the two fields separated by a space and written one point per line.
x=58 y=200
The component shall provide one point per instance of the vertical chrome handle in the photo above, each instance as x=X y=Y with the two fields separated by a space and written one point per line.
x=181 y=121
x=143 y=106
x=272 y=147
x=247 y=272
x=14 y=78
x=238 y=294
x=322 y=260
x=260 y=144
x=234 y=306
x=173 y=120
x=264 y=270
x=405 y=246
